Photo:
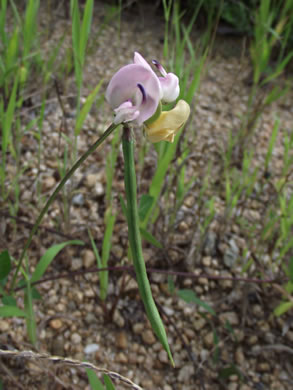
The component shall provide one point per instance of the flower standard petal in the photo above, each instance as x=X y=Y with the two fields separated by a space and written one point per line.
x=169 y=123
x=139 y=60
x=124 y=87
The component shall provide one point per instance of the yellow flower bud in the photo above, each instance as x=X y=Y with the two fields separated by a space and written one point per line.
x=168 y=123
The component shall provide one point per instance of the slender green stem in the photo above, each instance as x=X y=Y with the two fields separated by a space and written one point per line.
x=135 y=241
x=68 y=175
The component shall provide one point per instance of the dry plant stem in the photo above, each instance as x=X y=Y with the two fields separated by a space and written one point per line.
x=154 y=270
x=68 y=362
x=135 y=240
x=110 y=129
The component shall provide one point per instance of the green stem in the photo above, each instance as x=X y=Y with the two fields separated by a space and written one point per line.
x=68 y=175
x=135 y=241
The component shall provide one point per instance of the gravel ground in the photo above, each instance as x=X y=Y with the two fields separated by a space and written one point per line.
x=71 y=321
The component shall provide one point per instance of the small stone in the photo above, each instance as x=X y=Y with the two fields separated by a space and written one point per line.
x=163 y=357
x=88 y=258
x=257 y=311
x=239 y=356
x=183 y=227
x=118 y=319
x=99 y=189
x=148 y=337
x=147 y=383
x=78 y=200
x=121 y=358
x=231 y=254
x=90 y=318
x=189 y=201
x=48 y=183
x=91 y=180
x=121 y=340
x=138 y=328
x=199 y=324
x=233 y=386
x=203 y=281
x=132 y=358
x=186 y=373
x=76 y=264
x=210 y=244
x=56 y=323
x=229 y=316
x=91 y=348
x=252 y=340
x=209 y=339
x=4 y=325
x=207 y=261
x=75 y=338
x=263 y=367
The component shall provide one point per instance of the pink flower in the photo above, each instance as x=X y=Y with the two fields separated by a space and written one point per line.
x=169 y=84
x=135 y=91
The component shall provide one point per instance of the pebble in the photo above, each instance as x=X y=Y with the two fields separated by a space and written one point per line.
x=121 y=358
x=91 y=179
x=239 y=356
x=75 y=338
x=48 y=183
x=4 y=325
x=183 y=227
x=199 y=324
x=229 y=316
x=263 y=367
x=78 y=200
x=252 y=340
x=121 y=340
x=138 y=328
x=99 y=189
x=56 y=323
x=91 y=348
x=76 y=264
x=209 y=339
x=207 y=261
x=231 y=254
x=163 y=357
x=210 y=244
x=88 y=258
x=189 y=201
x=186 y=373
x=148 y=337
x=118 y=319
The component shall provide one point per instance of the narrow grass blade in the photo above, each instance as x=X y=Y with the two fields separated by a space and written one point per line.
x=108 y=383
x=189 y=296
x=11 y=311
x=86 y=108
x=5 y=264
x=49 y=256
x=106 y=247
x=85 y=28
x=94 y=381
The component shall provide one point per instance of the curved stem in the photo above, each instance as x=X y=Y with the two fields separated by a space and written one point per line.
x=68 y=175
x=135 y=241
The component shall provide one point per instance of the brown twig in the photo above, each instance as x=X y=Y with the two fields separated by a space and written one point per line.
x=153 y=270
x=69 y=362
